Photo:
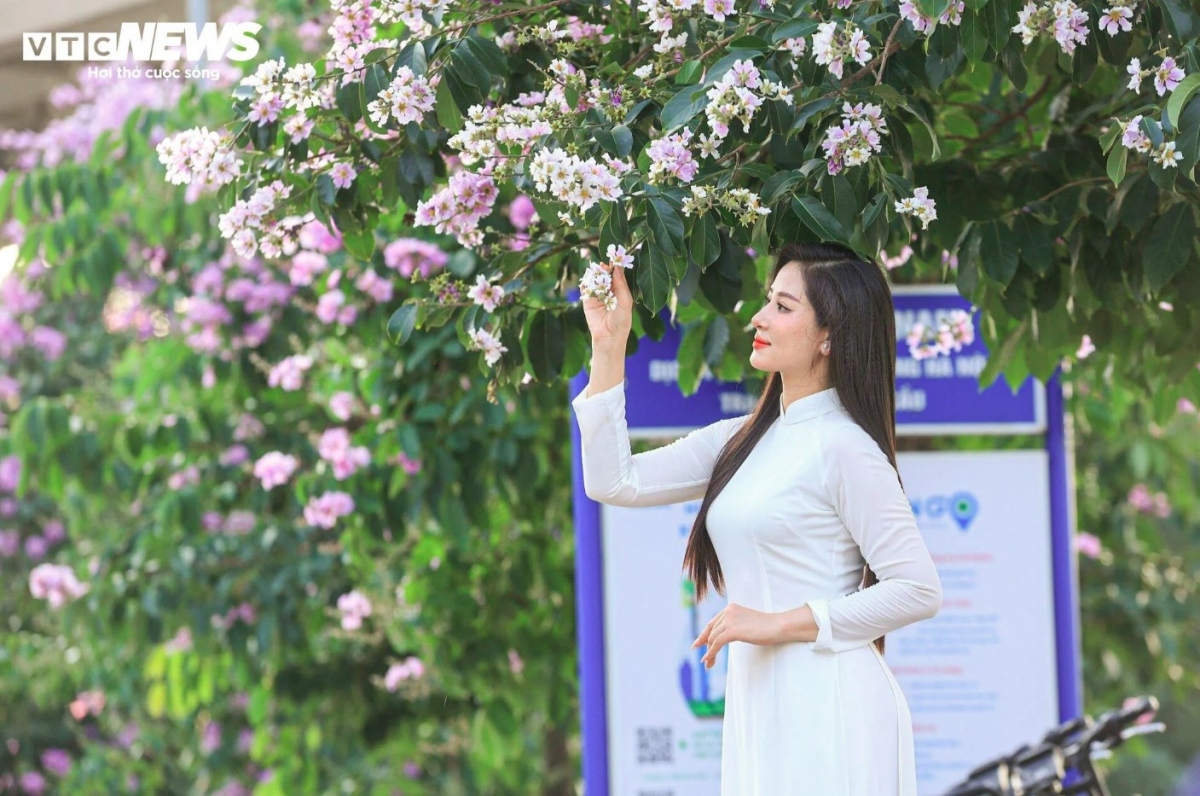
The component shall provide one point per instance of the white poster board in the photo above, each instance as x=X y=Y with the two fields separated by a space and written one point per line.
x=980 y=678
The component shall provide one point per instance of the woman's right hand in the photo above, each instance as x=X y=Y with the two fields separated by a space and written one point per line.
x=611 y=325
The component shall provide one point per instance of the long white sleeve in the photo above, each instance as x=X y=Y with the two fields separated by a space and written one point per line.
x=671 y=474
x=869 y=500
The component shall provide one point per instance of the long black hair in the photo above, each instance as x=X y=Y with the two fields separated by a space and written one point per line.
x=851 y=298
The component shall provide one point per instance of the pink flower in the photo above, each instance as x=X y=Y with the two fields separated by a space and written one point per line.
x=210 y=739
x=274 y=468
x=10 y=473
x=315 y=235
x=54 y=532
x=51 y=342
x=1085 y=348
x=55 y=584
x=407 y=255
x=1185 y=407
x=515 y=664
x=33 y=783
x=234 y=455
x=342 y=174
x=1167 y=76
x=305 y=265
x=10 y=543
x=56 y=761
x=410 y=668
x=377 y=287
x=411 y=466
x=1088 y=544
x=355 y=607
x=341 y=405
x=521 y=213
x=335 y=448
x=1157 y=504
x=324 y=511
x=36 y=548
x=289 y=374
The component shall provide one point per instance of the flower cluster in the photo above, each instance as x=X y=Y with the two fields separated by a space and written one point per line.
x=596 y=281
x=407 y=99
x=853 y=141
x=671 y=158
x=239 y=224
x=833 y=46
x=410 y=668
x=580 y=182
x=323 y=511
x=335 y=448
x=1157 y=505
x=738 y=95
x=289 y=373
x=1135 y=138
x=275 y=468
x=744 y=204
x=56 y=584
x=1166 y=77
x=410 y=12
x=488 y=343
x=355 y=607
x=950 y=336
x=199 y=156
x=920 y=206
x=923 y=24
x=1063 y=19
x=459 y=207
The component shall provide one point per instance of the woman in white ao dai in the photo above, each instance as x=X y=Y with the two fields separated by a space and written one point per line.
x=803 y=503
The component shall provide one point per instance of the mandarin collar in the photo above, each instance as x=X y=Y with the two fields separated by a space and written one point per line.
x=810 y=406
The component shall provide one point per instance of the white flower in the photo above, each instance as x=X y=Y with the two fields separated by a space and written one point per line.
x=920 y=206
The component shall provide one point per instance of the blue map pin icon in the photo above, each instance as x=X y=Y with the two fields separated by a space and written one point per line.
x=964 y=508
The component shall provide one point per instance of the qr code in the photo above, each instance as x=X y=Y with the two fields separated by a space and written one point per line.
x=654 y=744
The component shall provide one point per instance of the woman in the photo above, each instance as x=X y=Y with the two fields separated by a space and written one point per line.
x=801 y=499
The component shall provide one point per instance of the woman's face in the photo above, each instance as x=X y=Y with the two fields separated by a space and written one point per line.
x=788 y=323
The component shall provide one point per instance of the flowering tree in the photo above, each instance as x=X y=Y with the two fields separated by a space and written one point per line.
x=994 y=143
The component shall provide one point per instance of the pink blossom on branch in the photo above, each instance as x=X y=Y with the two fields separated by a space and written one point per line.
x=275 y=468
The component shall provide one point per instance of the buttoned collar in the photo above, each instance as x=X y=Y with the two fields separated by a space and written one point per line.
x=810 y=406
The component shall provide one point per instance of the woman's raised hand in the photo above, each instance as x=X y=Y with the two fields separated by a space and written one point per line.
x=611 y=325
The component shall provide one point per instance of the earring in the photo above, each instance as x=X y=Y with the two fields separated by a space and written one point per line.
x=825 y=347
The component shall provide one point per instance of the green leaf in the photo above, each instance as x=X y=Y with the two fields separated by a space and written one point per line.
x=666 y=227
x=778 y=184
x=547 y=345
x=618 y=140
x=1179 y=97
x=360 y=244
x=448 y=114
x=810 y=109
x=817 y=217
x=691 y=356
x=705 y=240
x=349 y=101
x=683 y=107
x=1179 y=18
x=653 y=277
x=326 y=190
x=400 y=325
x=1169 y=245
x=794 y=29
x=1117 y=159
x=998 y=249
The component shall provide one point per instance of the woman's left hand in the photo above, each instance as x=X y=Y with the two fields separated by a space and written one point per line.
x=737 y=623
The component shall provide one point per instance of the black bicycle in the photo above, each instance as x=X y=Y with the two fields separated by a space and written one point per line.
x=1063 y=762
